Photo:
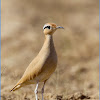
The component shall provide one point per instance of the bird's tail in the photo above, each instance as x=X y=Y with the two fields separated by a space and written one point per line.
x=16 y=87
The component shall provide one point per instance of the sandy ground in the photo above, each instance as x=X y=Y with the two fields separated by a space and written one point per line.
x=77 y=46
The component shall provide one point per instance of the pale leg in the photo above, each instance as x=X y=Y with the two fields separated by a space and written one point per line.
x=43 y=90
x=36 y=91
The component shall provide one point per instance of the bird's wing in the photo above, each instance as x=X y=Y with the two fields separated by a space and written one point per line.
x=27 y=74
x=33 y=70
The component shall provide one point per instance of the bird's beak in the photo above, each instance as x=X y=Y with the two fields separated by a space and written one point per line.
x=58 y=27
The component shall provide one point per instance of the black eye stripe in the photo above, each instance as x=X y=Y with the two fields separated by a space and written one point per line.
x=47 y=27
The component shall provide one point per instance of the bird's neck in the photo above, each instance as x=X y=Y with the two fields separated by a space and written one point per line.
x=48 y=38
x=48 y=45
x=49 y=41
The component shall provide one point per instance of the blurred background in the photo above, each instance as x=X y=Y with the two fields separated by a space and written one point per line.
x=77 y=46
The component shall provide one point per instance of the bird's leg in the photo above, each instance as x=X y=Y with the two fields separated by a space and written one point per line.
x=36 y=91
x=43 y=90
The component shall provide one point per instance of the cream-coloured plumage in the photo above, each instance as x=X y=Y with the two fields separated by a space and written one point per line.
x=45 y=63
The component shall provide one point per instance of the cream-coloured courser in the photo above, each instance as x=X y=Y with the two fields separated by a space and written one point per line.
x=45 y=63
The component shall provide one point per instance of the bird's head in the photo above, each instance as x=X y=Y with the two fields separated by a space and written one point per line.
x=50 y=28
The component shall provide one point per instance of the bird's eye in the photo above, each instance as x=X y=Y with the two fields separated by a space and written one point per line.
x=47 y=27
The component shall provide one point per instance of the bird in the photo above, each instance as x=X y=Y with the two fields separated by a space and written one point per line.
x=43 y=65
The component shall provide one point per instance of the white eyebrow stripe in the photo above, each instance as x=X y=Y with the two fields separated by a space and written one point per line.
x=44 y=26
x=47 y=25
